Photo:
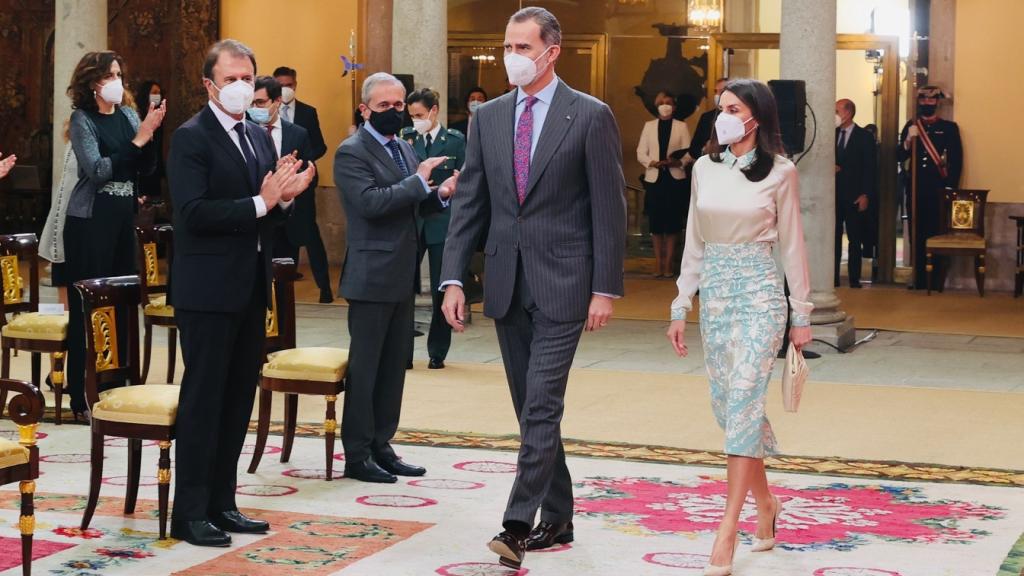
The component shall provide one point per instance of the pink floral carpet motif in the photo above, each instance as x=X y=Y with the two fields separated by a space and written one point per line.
x=837 y=516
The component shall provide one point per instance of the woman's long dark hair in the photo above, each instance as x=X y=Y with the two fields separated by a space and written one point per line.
x=89 y=71
x=759 y=98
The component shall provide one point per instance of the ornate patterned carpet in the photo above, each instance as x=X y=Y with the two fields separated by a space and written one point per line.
x=640 y=511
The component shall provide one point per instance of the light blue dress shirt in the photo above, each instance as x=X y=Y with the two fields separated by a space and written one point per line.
x=384 y=142
x=540 y=109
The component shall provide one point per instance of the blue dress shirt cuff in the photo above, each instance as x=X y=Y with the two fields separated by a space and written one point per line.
x=448 y=283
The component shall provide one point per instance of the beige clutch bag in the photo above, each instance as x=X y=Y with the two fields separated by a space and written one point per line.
x=794 y=376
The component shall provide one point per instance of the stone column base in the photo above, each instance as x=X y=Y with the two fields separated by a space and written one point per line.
x=840 y=334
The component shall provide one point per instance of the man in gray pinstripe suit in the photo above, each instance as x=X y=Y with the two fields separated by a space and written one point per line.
x=546 y=187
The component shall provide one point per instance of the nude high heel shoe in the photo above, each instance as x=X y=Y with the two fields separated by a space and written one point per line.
x=766 y=544
x=712 y=570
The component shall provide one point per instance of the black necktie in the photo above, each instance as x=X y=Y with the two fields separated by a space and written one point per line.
x=250 y=158
x=430 y=140
x=396 y=153
x=842 y=140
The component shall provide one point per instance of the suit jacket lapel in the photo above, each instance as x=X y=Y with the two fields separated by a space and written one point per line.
x=218 y=135
x=378 y=151
x=505 y=136
x=556 y=125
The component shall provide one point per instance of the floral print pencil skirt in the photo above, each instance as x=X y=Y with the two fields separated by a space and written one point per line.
x=742 y=320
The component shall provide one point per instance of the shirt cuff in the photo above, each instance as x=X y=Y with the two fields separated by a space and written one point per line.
x=426 y=187
x=448 y=283
x=286 y=205
x=679 y=313
x=261 y=206
x=612 y=296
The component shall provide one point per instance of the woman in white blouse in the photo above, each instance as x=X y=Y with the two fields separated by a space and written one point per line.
x=745 y=198
x=663 y=144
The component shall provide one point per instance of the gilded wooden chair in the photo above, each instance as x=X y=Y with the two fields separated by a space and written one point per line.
x=28 y=330
x=19 y=461
x=134 y=411
x=294 y=371
x=155 y=309
x=961 y=233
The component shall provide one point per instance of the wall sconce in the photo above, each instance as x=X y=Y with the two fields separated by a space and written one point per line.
x=704 y=15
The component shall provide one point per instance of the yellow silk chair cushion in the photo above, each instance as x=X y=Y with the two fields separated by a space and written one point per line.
x=316 y=364
x=12 y=454
x=966 y=241
x=158 y=306
x=36 y=326
x=155 y=404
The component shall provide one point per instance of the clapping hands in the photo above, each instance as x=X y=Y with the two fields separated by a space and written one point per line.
x=6 y=164
x=154 y=118
x=287 y=182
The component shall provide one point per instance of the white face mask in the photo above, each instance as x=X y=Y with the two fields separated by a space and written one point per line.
x=731 y=129
x=421 y=125
x=236 y=97
x=474 y=105
x=112 y=92
x=521 y=70
x=287 y=94
x=155 y=99
x=839 y=120
x=665 y=110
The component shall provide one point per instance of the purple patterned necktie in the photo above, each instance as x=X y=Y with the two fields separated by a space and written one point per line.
x=524 y=141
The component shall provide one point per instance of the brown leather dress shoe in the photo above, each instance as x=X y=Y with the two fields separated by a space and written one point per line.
x=547 y=534
x=510 y=549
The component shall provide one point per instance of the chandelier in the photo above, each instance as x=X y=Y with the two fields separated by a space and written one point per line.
x=704 y=15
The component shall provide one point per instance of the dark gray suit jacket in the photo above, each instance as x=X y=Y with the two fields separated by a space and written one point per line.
x=380 y=211
x=570 y=232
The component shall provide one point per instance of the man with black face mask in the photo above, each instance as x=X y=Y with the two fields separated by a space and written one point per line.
x=383 y=185
x=939 y=160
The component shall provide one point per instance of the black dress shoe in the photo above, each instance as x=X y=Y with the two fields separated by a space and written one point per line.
x=398 y=468
x=510 y=549
x=235 y=521
x=326 y=297
x=435 y=364
x=200 y=533
x=547 y=534
x=369 y=471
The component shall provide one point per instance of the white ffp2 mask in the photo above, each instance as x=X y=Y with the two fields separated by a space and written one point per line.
x=235 y=97
x=730 y=129
x=522 y=71
x=112 y=92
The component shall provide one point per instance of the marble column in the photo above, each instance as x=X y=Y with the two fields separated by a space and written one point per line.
x=80 y=26
x=808 y=53
x=420 y=45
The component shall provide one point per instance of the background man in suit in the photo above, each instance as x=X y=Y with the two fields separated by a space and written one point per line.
x=292 y=139
x=474 y=98
x=302 y=227
x=704 y=125
x=855 y=187
x=227 y=201
x=430 y=139
x=382 y=186
x=548 y=179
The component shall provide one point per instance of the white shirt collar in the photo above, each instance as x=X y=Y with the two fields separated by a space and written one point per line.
x=433 y=133
x=226 y=121
x=545 y=95
x=277 y=123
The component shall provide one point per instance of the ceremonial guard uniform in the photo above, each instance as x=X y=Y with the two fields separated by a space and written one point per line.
x=939 y=161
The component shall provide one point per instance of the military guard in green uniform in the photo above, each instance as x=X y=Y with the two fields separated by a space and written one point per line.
x=430 y=139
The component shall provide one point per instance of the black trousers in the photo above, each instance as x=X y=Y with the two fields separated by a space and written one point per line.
x=223 y=352
x=537 y=353
x=929 y=213
x=97 y=247
x=381 y=345
x=856 y=225
x=283 y=248
x=439 y=339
